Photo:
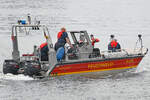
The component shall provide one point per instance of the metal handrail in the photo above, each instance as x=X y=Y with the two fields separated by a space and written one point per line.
x=118 y=50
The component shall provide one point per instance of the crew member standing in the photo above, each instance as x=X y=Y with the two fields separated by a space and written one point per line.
x=94 y=40
x=62 y=39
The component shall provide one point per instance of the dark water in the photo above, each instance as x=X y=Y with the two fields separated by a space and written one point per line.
x=124 y=18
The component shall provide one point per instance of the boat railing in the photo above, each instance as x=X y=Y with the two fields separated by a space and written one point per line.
x=117 y=53
x=28 y=57
x=138 y=51
x=124 y=52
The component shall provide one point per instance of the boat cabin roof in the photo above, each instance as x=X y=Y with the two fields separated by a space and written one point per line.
x=83 y=31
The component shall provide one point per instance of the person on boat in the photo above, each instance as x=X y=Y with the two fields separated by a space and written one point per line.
x=82 y=40
x=96 y=51
x=62 y=39
x=114 y=45
x=94 y=40
x=44 y=51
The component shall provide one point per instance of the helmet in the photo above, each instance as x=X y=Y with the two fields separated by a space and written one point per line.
x=112 y=36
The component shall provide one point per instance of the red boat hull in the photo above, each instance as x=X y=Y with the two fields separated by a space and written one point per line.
x=96 y=66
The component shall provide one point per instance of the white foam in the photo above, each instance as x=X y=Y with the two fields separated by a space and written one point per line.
x=15 y=77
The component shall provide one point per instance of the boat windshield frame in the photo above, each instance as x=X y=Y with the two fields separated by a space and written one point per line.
x=74 y=38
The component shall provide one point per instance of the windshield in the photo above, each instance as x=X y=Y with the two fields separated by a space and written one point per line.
x=78 y=37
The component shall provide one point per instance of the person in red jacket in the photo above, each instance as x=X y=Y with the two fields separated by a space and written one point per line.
x=44 y=51
x=94 y=40
x=114 y=45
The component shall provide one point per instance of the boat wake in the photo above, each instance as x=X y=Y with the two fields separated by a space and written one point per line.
x=22 y=77
x=15 y=77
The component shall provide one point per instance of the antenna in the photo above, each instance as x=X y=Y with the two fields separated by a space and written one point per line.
x=29 y=18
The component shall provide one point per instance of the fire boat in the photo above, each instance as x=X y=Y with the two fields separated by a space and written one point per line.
x=84 y=59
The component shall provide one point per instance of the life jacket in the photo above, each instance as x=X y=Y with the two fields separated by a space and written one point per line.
x=61 y=37
x=43 y=45
x=94 y=41
x=113 y=44
x=59 y=34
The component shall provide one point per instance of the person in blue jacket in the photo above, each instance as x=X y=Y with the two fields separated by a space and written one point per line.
x=62 y=39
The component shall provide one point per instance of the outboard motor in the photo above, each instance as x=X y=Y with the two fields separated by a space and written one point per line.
x=10 y=66
x=32 y=68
